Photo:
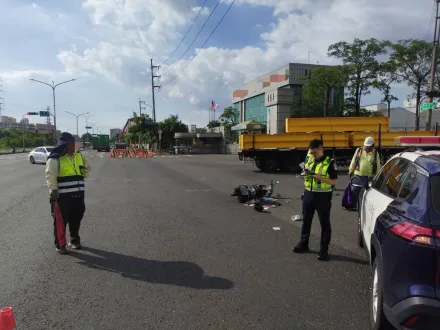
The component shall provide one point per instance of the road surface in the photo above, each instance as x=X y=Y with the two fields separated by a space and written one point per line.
x=168 y=248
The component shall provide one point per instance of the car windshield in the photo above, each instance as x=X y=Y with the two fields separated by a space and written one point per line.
x=49 y=150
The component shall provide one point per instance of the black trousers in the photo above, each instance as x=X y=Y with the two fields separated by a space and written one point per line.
x=322 y=204
x=72 y=209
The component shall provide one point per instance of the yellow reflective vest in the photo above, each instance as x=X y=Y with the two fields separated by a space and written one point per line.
x=71 y=175
x=321 y=168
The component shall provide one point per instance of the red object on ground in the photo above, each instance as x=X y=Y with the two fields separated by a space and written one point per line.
x=7 y=319
x=61 y=230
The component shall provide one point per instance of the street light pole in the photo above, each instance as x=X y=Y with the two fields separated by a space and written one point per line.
x=77 y=116
x=24 y=131
x=53 y=86
x=87 y=125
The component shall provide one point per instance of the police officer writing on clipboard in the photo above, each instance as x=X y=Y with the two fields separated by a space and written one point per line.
x=320 y=177
x=65 y=173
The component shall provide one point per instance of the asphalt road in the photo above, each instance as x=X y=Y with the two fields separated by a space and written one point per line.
x=168 y=248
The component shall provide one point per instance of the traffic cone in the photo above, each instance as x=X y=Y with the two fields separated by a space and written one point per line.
x=7 y=319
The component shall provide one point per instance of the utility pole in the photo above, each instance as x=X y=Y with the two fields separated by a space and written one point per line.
x=433 y=65
x=141 y=107
x=153 y=87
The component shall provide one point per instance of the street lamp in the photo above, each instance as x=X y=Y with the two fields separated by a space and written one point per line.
x=53 y=86
x=77 y=116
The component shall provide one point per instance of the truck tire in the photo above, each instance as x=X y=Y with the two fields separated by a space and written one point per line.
x=258 y=163
x=269 y=165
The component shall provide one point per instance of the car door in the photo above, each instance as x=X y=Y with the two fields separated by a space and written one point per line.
x=37 y=155
x=375 y=201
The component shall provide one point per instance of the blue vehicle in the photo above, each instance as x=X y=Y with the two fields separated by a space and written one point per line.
x=399 y=227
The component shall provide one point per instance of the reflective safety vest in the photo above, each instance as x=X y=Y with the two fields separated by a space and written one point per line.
x=71 y=176
x=308 y=157
x=321 y=168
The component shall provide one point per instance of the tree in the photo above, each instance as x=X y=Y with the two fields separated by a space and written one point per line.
x=86 y=137
x=170 y=126
x=412 y=58
x=214 y=123
x=386 y=76
x=228 y=117
x=361 y=59
x=323 y=80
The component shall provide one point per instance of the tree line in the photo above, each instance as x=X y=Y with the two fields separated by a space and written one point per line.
x=366 y=65
x=14 y=138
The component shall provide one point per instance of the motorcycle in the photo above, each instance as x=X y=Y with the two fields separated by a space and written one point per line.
x=246 y=193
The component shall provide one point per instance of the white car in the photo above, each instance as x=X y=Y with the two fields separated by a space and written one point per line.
x=399 y=227
x=39 y=155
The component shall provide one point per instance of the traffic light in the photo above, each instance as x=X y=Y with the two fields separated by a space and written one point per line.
x=32 y=113
x=433 y=94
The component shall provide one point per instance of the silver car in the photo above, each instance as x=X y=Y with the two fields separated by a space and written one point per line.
x=39 y=155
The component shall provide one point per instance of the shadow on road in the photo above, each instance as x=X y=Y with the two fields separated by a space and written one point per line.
x=335 y=257
x=180 y=273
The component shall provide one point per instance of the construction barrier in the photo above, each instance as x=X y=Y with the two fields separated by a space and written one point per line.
x=130 y=153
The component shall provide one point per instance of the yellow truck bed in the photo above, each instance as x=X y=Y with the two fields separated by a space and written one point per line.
x=335 y=139
x=336 y=124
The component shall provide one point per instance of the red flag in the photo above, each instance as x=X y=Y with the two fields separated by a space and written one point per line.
x=61 y=230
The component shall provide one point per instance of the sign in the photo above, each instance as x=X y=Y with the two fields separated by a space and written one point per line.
x=44 y=114
x=193 y=128
x=148 y=122
x=427 y=106
x=88 y=127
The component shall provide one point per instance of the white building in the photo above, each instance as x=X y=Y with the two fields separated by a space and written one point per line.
x=376 y=107
x=6 y=119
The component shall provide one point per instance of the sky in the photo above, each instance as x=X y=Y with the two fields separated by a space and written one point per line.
x=106 y=45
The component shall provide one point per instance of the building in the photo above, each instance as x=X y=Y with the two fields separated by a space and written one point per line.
x=24 y=121
x=114 y=133
x=375 y=107
x=8 y=120
x=404 y=119
x=268 y=99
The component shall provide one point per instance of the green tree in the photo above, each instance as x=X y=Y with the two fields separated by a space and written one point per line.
x=86 y=137
x=214 y=123
x=169 y=127
x=322 y=81
x=386 y=76
x=361 y=59
x=412 y=58
x=228 y=117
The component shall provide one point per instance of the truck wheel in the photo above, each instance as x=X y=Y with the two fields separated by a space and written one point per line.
x=269 y=165
x=258 y=163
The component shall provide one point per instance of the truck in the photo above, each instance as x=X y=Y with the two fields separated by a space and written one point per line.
x=101 y=142
x=341 y=137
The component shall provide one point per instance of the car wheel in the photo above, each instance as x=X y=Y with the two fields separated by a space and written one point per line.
x=32 y=160
x=360 y=234
x=378 y=318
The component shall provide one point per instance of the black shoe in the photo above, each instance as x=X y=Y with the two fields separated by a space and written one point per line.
x=323 y=255
x=61 y=250
x=75 y=245
x=301 y=248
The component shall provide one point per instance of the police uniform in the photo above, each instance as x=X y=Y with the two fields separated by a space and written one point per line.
x=317 y=197
x=66 y=175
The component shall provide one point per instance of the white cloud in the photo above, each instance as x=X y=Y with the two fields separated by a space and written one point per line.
x=203 y=12
x=131 y=32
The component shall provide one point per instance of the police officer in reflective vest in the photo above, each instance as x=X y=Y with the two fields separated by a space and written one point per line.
x=65 y=173
x=320 y=176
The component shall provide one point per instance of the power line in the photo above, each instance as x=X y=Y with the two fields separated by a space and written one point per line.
x=218 y=24
x=428 y=33
x=186 y=51
x=200 y=10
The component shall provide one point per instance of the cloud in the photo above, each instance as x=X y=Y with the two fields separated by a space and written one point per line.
x=125 y=35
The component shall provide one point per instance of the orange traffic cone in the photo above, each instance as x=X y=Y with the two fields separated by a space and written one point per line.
x=7 y=319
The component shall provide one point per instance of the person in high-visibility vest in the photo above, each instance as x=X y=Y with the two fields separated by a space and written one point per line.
x=364 y=165
x=66 y=170
x=320 y=177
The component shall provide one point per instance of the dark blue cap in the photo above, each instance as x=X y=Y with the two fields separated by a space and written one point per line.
x=66 y=138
